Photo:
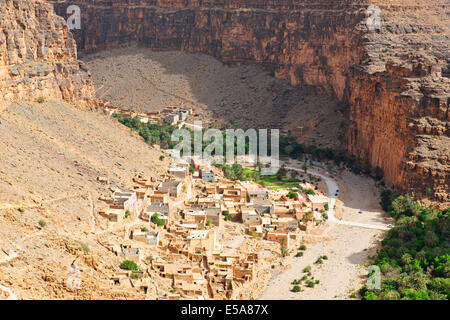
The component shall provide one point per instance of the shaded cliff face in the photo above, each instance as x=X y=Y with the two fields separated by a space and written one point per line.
x=393 y=81
x=38 y=56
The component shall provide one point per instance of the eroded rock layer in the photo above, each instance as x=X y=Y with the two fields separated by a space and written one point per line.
x=38 y=56
x=393 y=78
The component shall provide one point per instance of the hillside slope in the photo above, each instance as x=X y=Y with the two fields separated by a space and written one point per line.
x=50 y=157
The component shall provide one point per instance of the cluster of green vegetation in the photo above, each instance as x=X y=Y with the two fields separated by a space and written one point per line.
x=237 y=172
x=157 y=220
x=158 y=133
x=414 y=260
x=308 y=191
x=129 y=265
x=273 y=182
x=292 y=195
x=42 y=223
x=84 y=246
x=276 y=181
x=227 y=215
x=307 y=279
x=320 y=259
x=134 y=276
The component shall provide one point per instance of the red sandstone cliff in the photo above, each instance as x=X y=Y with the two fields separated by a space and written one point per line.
x=38 y=56
x=394 y=81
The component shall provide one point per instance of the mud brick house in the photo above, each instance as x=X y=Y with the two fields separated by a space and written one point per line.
x=244 y=271
x=256 y=194
x=159 y=196
x=281 y=238
x=114 y=215
x=125 y=200
x=128 y=252
x=233 y=192
x=195 y=217
x=148 y=237
x=172 y=118
x=250 y=216
x=179 y=172
x=317 y=201
x=263 y=209
x=203 y=240
x=172 y=187
x=162 y=209
x=213 y=215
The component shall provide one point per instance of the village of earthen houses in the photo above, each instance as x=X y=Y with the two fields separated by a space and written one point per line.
x=94 y=204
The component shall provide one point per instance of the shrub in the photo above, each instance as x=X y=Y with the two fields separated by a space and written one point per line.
x=296 y=288
x=158 y=221
x=42 y=223
x=144 y=229
x=134 y=276
x=308 y=191
x=127 y=213
x=21 y=210
x=310 y=284
x=299 y=254
x=41 y=99
x=302 y=247
x=319 y=261
x=129 y=265
x=292 y=195
x=84 y=246
x=227 y=215
x=307 y=269
x=161 y=158
x=370 y=296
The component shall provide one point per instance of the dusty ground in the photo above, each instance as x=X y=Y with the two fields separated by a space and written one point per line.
x=50 y=157
x=347 y=248
x=247 y=96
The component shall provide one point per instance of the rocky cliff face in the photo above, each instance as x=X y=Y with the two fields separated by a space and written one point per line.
x=38 y=56
x=393 y=81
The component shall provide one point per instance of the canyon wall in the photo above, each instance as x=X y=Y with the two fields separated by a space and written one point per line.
x=38 y=56
x=393 y=81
